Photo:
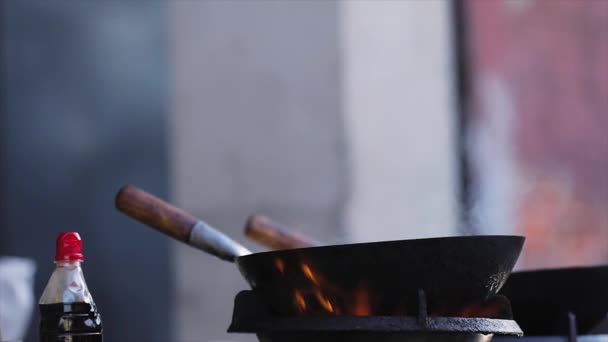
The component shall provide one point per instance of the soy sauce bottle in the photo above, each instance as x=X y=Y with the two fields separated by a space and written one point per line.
x=67 y=310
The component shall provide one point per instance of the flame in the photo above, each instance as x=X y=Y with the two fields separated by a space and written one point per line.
x=299 y=301
x=308 y=273
x=317 y=295
x=490 y=309
x=280 y=265
x=362 y=304
x=469 y=311
x=493 y=308
x=322 y=297
x=325 y=303
x=327 y=295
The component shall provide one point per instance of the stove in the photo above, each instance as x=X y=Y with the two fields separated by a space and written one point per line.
x=598 y=334
x=565 y=305
x=251 y=315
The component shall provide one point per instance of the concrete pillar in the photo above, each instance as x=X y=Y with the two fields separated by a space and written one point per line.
x=256 y=126
x=400 y=117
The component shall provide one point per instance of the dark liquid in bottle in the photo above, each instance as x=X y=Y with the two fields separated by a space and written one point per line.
x=73 y=322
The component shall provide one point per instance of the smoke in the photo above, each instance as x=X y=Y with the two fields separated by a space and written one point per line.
x=491 y=151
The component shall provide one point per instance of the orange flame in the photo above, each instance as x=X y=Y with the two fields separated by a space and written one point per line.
x=489 y=309
x=362 y=303
x=308 y=273
x=327 y=295
x=319 y=296
x=325 y=303
x=299 y=301
x=280 y=265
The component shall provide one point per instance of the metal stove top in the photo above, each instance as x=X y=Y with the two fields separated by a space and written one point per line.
x=583 y=338
x=565 y=305
x=252 y=316
x=560 y=305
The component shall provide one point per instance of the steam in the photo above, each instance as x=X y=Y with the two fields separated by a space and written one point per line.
x=491 y=151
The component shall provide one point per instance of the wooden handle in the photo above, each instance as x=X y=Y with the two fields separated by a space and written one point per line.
x=274 y=235
x=176 y=223
x=155 y=212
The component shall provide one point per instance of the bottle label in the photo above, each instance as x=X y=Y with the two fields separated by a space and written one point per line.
x=78 y=322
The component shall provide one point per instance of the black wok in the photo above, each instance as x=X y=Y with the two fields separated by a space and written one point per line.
x=380 y=278
x=542 y=299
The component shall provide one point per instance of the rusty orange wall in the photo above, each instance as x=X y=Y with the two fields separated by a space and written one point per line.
x=552 y=58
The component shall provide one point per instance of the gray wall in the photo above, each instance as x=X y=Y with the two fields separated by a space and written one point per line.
x=83 y=112
x=256 y=126
x=399 y=108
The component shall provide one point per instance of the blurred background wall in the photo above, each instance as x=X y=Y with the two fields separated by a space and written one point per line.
x=399 y=112
x=348 y=121
x=84 y=110
x=256 y=125
x=539 y=126
x=298 y=110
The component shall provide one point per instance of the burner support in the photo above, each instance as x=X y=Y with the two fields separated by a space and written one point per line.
x=251 y=315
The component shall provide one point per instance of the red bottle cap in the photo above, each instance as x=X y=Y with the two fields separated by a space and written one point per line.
x=68 y=247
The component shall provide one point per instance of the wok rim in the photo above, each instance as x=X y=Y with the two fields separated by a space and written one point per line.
x=581 y=268
x=516 y=238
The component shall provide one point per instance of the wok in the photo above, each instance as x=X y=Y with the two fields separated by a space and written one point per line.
x=542 y=299
x=380 y=278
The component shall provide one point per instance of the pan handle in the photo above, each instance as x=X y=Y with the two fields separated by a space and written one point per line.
x=274 y=235
x=177 y=223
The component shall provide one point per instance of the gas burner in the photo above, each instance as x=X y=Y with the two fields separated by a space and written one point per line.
x=251 y=315
x=598 y=334
x=560 y=305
